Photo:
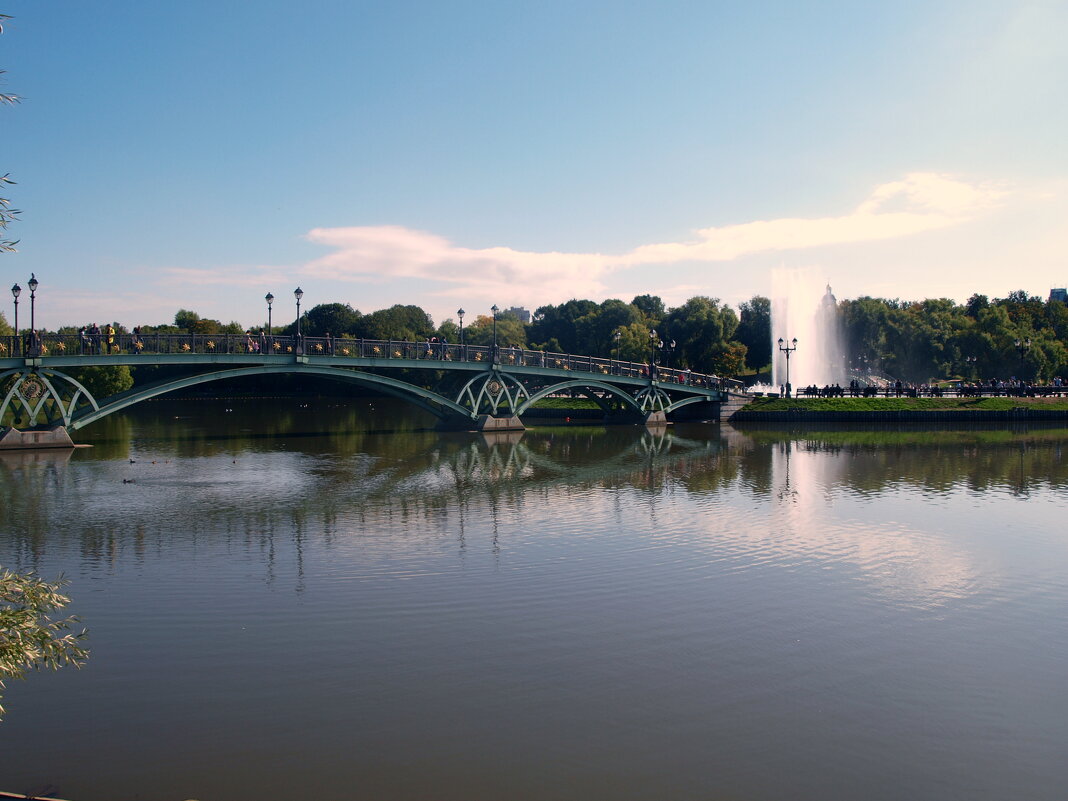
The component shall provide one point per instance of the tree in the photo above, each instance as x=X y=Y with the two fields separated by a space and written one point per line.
x=594 y=331
x=408 y=323
x=510 y=331
x=29 y=638
x=186 y=319
x=633 y=345
x=333 y=318
x=754 y=331
x=5 y=326
x=104 y=381
x=651 y=306
x=976 y=303
x=558 y=323
x=7 y=214
x=702 y=329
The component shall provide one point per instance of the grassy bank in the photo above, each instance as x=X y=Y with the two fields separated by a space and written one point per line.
x=904 y=404
x=566 y=403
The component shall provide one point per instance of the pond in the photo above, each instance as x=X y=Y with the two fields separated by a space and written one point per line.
x=327 y=598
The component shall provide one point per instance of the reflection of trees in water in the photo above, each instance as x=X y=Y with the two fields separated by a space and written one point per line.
x=401 y=483
x=330 y=472
x=936 y=460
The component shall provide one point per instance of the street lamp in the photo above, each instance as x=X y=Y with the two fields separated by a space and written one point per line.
x=653 y=339
x=788 y=350
x=460 y=313
x=16 y=290
x=671 y=351
x=971 y=360
x=616 y=336
x=494 y=309
x=33 y=284
x=298 y=293
x=270 y=299
x=1022 y=348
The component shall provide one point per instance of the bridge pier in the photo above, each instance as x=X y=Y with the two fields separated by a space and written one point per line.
x=12 y=439
x=487 y=422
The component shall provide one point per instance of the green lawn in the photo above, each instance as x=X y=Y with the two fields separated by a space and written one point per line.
x=895 y=404
x=566 y=403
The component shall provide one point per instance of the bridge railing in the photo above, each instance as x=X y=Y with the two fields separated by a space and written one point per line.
x=258 y=345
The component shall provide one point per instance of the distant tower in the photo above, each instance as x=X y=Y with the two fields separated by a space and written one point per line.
x=829 y=299
x=1058 y=294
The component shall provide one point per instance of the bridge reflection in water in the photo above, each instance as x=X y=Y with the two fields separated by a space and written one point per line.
x=463 y=386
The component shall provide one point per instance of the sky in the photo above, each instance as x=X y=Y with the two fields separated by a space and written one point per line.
x=465 y=154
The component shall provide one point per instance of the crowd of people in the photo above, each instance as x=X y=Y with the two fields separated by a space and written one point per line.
x=1013 y=387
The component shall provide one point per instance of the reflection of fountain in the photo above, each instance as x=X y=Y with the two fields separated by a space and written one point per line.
x=802 y=307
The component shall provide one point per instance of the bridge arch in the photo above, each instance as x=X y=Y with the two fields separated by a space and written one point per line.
x=435 y=404
x=580 y=384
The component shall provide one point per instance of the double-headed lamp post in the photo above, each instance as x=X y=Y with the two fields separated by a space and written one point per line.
x=1022 y=347
x=788 y=350
x=298 y=293
x=33 y=284
x=16 y=290
x=270 y=299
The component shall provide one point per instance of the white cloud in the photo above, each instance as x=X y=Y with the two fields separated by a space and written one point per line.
x=918 y=202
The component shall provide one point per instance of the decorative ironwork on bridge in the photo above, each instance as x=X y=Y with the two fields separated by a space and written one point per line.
x=462 y=385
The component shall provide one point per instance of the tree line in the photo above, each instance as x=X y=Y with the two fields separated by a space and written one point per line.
x=1020 y=335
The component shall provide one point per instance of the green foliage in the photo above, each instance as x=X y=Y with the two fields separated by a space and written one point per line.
x=633 y=343
x=651 y=306
x=29 y=638
x=397 y=322
x=5 y=327
x=510 y=331
x=185 y=319
x=8 y=215
x=596 y=329
x=558 y=323
x=754 y=331
x=337 y=319
x=702 y=329
x=104 y=381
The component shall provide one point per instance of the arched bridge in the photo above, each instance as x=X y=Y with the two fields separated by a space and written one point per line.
x=464 y=386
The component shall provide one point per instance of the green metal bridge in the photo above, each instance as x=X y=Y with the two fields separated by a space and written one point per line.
x=464 y=386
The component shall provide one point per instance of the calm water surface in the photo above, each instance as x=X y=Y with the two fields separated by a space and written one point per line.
x=278 y=611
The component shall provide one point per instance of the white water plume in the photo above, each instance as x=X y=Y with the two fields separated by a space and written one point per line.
x=803 y=308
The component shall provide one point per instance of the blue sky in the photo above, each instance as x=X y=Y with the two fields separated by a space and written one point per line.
x=469 y=153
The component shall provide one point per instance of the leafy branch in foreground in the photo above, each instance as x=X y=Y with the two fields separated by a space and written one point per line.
x=7 y=214
x=29 y=638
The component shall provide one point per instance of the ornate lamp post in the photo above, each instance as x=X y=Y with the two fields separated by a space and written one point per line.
x=33 y=284
x=270 y=299
x=16 y=290
x=298 y=293
x=494 y=309
x=670 y=350
x=971 y=360
x=460 y=313
x=653 y=339
x=616 y=336
x=788 y=350
x=1022 y=348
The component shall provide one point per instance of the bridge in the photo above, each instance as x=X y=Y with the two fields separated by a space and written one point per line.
x=474 y=387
